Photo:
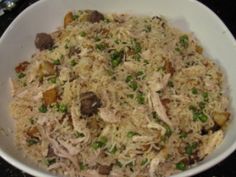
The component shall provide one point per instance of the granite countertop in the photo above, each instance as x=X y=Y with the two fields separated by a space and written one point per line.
x=225 y=9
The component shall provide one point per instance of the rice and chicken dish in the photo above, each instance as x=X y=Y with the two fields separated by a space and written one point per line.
x=118 y=95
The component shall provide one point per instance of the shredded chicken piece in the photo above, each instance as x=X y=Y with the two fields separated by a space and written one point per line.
x=160 y=157
x=153 y=125
x=108 y=115
x=211 y=143
x=159 y=108
x=157 y=82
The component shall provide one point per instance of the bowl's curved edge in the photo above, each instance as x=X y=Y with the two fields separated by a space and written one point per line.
x=187 y=173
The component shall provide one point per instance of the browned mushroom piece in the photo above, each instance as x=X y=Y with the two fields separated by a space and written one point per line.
x=95 y=16
x=22 y=67
x=50 y=96
x=89 y=103
x=104 y=169
x=43 y=41
x=169 y=67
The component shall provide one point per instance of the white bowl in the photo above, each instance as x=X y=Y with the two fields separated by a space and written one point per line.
x=17 y=44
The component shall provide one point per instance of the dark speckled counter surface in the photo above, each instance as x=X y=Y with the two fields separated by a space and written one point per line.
x=225 y=9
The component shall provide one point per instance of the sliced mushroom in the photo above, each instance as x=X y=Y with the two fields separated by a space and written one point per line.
x=50 y=96
x=43 y=41
x=95 y=16
x=89 y=103
x=221 y=118
x=104 y=169
x=22 y=67
x=68 y=19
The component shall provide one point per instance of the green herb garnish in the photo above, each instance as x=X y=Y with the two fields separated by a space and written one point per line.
x=194 y=91
x=140 y=97
x=56 y=62
x=20 y=75
x=43 y=108
x=184 y=41
x=181 y=166
x=130 y=134
x=32 y=141
x=100 y=143
x=82 y=34
x=116 y=58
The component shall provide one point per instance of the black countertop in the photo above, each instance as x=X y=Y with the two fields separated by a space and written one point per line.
x=225 y=9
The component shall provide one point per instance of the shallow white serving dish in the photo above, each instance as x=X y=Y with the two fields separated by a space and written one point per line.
x=17 y=44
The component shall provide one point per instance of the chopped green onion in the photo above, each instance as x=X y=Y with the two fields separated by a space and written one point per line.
x=128 y=78
x=32 y=141
x=177 y=49
x=82 y=34
x=189 y=149
x=62 y=108
x=200 y=116
x=99 y=143
x=56 y=62
x=170 y=84
x=113 y=150
x=20 y=75
x=133 y=85
x=184 y=41
x=146 y=62
x=75 y=17
x=116 y=58
x=130 y=134
x=100 y=47
x=168 y=130
x=183 y=135
x=140 y=98
x=140 y=75
x=79 y=135
x=202 y=105
x=43 y=108
x=192 y=108
x=73 y=63
x=82 y=166
x=136 y=46
x=49 y=161
x=97 y=39
x=118 y=163
x=137 y=57
x=205 y=96
x=144 y=161
x=32 y=121
x=53 y=80
x=181 y=166
x=194 y=91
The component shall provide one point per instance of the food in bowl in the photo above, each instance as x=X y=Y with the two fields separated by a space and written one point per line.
x=118 y=95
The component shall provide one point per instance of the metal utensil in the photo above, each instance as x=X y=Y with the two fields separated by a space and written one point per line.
x=7 y=5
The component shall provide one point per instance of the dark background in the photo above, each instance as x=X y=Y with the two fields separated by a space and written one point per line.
x=225 y=9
